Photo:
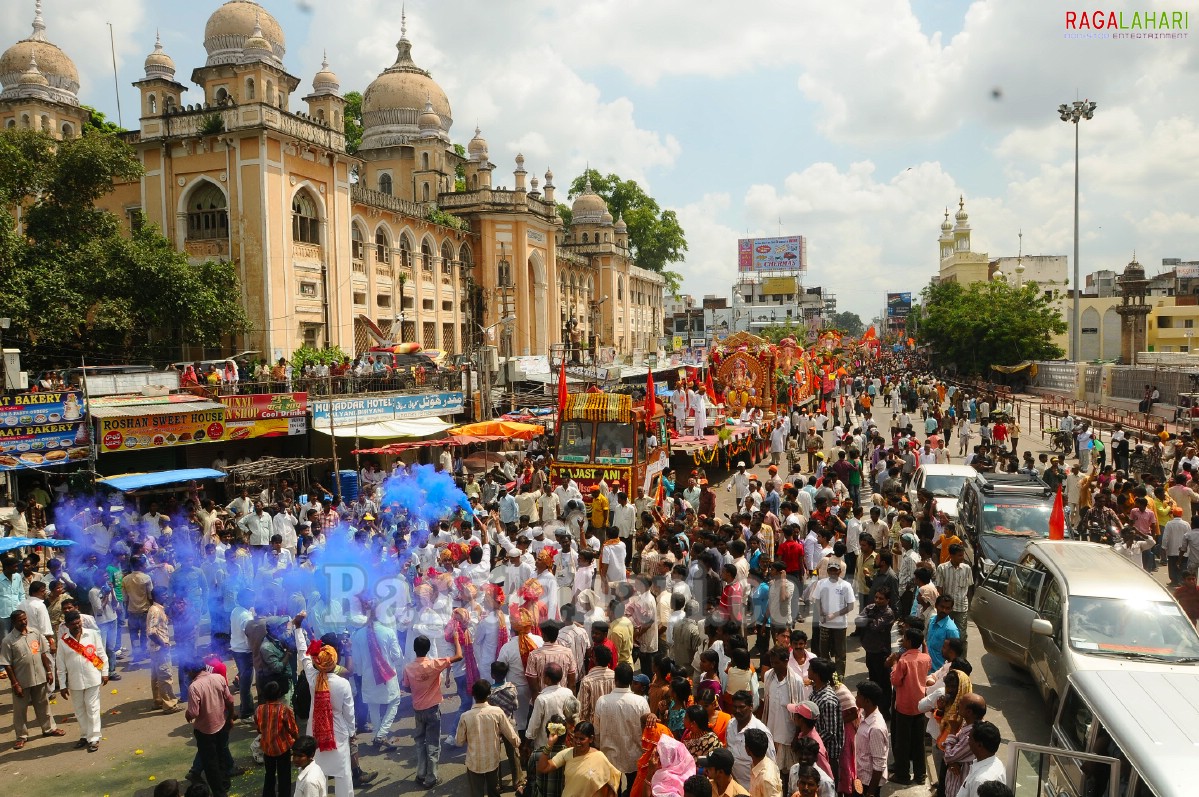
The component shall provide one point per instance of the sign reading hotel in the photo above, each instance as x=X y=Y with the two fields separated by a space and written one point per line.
x=789 y=253
x=377 y=409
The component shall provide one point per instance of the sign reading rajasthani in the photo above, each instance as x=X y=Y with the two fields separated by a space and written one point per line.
x=155 y=431
x=42 y=429
x=265 y=415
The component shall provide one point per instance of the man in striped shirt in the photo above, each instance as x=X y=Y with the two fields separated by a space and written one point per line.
x=954 y=578
x=481 y=729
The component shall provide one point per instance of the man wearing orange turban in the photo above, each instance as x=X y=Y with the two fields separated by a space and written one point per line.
x=331 y=718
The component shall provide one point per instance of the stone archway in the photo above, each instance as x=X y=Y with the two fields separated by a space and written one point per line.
x=537 y=301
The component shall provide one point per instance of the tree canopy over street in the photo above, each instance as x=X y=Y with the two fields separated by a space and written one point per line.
x=75 y=285
x=985 y=324
x=849 y=323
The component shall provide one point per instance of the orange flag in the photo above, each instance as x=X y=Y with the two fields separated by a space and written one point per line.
x=1057 y=518
x=650 y=401
x=562 y=392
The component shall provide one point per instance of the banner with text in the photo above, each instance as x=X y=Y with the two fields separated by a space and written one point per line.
x=265 y=415
x=789 y=253
x=42 y=429
x=156 y=431
x=376 y=409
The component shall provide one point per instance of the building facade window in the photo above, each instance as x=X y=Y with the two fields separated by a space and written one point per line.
x=447 y=258
x=308 y=290
x=382 y=247
x=385 y=183
x=357 y=245
x=207 y=214
x=305 y=225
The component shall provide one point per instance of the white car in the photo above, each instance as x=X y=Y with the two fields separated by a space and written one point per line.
x=944 y=482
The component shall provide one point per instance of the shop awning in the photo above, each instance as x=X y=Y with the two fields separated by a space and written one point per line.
x=139 y=410
x=386 y=430
x=140 y=481
x=12 y=543
x=510 y=429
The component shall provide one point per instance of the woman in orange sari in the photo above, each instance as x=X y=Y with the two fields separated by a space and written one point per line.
x=651 y=733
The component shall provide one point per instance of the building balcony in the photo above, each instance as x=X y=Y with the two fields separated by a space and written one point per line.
x=207 y=248
x=303 y=251
x=194 y=121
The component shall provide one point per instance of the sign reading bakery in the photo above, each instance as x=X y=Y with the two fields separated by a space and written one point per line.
x=177 y=427
x=39 y=430
x=265 y=415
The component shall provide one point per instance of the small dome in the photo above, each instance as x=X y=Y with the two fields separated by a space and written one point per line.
x=428 y=120
x=606 y=219
x=228 y=30
x=477 y=148
x=158 y=63
x=999 y=276
x=33 y=76
x=620 y=225
x=589 y=207
x=59 y=70
x=257 y=48
x=961 y=215
x=1134 y=269
x=946 y=225
x=325 y=81
x=549 y=177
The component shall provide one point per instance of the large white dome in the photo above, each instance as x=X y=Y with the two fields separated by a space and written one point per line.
x=62 y=77
x=394 y=101
x=229 y=27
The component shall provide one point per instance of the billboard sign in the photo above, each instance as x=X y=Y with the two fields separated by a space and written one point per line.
x=780 y=286
x=899 y=305
x=181 y=428
x=788 y=253
x=265 y=415
x=375 y=409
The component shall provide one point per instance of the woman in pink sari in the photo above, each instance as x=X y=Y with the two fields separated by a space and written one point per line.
x=671 y=765
x=847 y=769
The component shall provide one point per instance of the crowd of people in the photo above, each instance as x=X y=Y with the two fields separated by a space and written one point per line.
x=591 y=645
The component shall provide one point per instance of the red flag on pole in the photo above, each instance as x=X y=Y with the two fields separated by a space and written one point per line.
x=711 y=387
x=651 y=400
x=1057 y=518
x=562 y=391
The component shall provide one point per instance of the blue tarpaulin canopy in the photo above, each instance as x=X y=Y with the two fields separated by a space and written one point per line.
x=13 y=543
x=140 y=481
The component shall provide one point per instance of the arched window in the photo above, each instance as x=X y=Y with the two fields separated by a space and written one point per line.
x=424 y=192
x=152 y=104
x=585 y=239
x=337 y=119
x=466 y=259
x=447 y=258
x=382 y=247
x=270 y=92
x=305 y=225
x=249 y=88
x=424 y=161
x=12 y=123
x=620 y=289
x=45 y=123
x=385 y=183
x=168 y=104
x=426 y=257
x=221 y=95
x=207 y=213
x=405 y=251
x=320 y=114
x=357 y=246
x=25 y=121
x=474 y=181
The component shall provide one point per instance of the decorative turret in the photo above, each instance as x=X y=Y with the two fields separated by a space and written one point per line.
x=519 y=173
x=549 y=186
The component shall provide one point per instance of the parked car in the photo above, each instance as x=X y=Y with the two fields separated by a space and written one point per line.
x=944 y=482
x=1000 y=513
x=1064 y=607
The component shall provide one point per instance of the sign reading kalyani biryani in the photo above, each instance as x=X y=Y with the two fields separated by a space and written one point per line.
x=39 y=430
x=788 y=253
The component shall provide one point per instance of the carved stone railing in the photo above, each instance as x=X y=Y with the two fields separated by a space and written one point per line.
x=191 y=120
x=406 y=207
x=207 y=248
x=302 y=251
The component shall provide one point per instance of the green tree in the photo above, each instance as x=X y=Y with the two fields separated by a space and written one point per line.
x=460 y=169
x=776 y=332
x=74 y=284
x=352 y=121
x=849 y=323
x=985 y=324
x=96 y=120
x=655 y=236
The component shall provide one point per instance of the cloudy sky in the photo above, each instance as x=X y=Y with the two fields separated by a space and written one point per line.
x=854 y=123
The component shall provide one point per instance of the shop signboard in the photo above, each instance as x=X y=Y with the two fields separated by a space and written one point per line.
x=44 y=429
x=265 y=415
x=784 y=253
x=378 y=409
x=181 y=428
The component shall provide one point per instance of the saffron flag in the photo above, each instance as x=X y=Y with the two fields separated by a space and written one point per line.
x=711 y=388
x=651 y=401
x=1057 y=518
x=562 y=391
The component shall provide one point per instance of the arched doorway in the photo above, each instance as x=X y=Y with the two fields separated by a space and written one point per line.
x=537 y=302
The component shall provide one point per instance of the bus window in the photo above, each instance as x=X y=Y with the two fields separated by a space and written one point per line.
x=575 y=442
x=614 y=443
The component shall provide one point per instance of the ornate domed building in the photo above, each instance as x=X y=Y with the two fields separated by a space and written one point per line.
x=405 y=234
x=39 y=85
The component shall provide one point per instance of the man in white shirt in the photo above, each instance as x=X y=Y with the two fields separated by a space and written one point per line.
x=781 y=688
x=984 y=743
x=618 y=722
x=835 y=600
x=739 y=483
x=549 y=506
x=82 y=668
x=743 y=720
x=550 y=700
x=624 y=518
x=38 y=615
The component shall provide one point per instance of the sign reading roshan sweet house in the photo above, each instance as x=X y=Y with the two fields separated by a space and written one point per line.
x=155 y=431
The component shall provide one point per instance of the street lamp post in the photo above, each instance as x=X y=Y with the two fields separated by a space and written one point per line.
x=1075 y=113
